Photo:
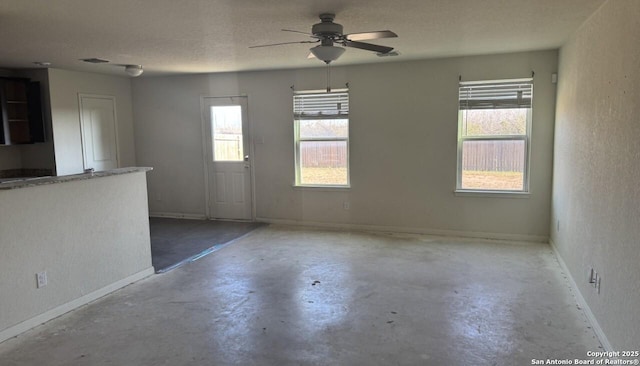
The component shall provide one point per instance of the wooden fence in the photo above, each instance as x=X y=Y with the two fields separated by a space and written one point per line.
x=323 y=154
x=498 y=156
x=227 y=147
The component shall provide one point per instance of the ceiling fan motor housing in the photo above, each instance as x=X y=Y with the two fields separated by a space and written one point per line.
x=327 y=28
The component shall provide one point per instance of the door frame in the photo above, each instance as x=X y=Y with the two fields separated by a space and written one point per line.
x=115 y=125
x=205 y=153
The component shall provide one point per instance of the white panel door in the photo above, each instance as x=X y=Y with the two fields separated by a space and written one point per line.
x=98 y=127
x=229 y=164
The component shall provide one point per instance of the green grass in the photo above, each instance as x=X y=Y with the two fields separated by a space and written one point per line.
x=325 y=176
x=492 y=180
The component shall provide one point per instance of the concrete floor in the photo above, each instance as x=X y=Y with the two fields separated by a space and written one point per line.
x=284 y=296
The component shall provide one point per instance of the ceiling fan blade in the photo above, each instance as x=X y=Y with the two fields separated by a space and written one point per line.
x=368 y=46
x=295 y=31
x=282 y=43
x=370 y=35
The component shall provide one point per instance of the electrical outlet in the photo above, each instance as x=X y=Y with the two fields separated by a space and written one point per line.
x=346 y=205
x=41 y=279
x=598 y=284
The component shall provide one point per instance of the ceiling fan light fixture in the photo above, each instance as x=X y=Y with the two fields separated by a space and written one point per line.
x=327 y=53
x=134 y=70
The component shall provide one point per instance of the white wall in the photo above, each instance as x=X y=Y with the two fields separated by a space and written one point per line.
x=403 y=144
x=85 y=241
x=64 y=89
x=596 y=195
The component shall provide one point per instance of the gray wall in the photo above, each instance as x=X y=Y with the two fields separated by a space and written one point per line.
x=63 y=150
x=596 y=195
x=403 y=145
x=40 y=155
x=10 y=156
x=91 y=236
x=31 y=156
x=65 y=116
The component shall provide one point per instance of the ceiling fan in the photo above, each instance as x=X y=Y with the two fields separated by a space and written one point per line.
x=328 y=33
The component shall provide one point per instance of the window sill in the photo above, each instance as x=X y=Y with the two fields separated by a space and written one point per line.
x=320 y=188
x=491 y=194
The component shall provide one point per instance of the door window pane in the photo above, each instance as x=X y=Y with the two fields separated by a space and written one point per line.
x=227 y=133
x=323 y=162
x=493 y=165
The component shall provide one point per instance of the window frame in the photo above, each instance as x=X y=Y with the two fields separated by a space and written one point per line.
x=298 y=142
x=526 y=138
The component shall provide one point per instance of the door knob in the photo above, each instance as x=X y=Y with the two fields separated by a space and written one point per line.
x=246 y=158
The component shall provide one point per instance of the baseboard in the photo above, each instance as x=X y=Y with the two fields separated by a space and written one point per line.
x=71 y=305
x=582 y=302
x=409 y=230
x=178 y=215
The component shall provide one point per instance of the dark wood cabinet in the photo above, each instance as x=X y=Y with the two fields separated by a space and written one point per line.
x=21 y=112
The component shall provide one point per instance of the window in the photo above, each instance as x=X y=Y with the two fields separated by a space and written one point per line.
x=321 y=123
x=494 y=124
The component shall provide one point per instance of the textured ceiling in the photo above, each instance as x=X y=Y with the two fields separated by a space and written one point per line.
x=193 y=36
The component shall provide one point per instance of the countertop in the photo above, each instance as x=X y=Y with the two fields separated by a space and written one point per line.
x=13 y=183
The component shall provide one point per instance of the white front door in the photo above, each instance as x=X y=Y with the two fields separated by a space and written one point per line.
x=229 y=164
x=98 y=128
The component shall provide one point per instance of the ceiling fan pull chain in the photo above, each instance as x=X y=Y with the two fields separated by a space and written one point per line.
x=328 y=78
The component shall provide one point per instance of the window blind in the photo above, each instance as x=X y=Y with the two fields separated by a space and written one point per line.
x=496 y=95
x=321 y=105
